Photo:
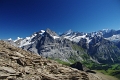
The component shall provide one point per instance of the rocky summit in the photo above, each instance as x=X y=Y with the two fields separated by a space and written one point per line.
x=18 y=64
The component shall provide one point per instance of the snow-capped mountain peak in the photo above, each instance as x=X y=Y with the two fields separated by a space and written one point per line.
x=52 y=34
x=69 y=32
x=111 y=35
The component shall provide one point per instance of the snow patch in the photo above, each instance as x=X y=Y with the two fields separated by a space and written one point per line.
x=10 y=39
x=55 y=37
x=41 y=32
x=114 y=38
x=18 y=38
x=88 y=40
x=68 y=32
x=27 y=40
x=75 y=39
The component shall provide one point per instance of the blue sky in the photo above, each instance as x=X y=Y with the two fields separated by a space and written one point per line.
x=24 y=17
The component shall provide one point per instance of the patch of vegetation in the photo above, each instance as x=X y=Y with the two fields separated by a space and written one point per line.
x=110 y=69
x=77 y=48
x=119 y=58
x=60 y=61
x=115 y=73
x=71 y=60
x=115 y=67
x=85 y=56
x=91 y=65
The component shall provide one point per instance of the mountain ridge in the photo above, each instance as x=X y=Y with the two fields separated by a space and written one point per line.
x=73 y=45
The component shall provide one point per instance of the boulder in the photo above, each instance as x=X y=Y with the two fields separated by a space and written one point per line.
x=77 y=65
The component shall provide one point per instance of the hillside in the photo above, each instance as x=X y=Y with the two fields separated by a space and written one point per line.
x=18 y=64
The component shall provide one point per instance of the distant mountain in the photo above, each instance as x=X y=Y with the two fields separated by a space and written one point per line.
x=100 y=46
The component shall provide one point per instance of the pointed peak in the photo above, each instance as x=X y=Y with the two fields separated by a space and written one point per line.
x=52 y=33
x=68 y=32
x=48 y=30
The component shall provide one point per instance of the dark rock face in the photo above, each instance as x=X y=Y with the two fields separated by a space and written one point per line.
x=118 y=44
x=51 y=32
x=48 y=46
x=77 y=65
x=83 y=43
x=103 y=50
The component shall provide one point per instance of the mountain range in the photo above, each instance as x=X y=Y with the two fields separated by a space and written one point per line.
x=102 y=46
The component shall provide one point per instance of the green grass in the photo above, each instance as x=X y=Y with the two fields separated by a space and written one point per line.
x=115 y=73
x=115 y=67
x=85 y=56
x=77 y=48
x=60 y=61
x=71 y=60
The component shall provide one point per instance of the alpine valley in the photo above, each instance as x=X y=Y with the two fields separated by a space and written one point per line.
x=96 y=50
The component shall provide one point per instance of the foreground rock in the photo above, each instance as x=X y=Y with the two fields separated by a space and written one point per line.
x=18 y=64
x=79 y=66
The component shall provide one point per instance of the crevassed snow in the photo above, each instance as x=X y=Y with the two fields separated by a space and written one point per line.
x=114 y=38
x=73 y=38
x=27 y=40
x=77 y=38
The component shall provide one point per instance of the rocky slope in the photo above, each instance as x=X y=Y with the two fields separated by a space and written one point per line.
x=101 y=50
x=18 y=64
